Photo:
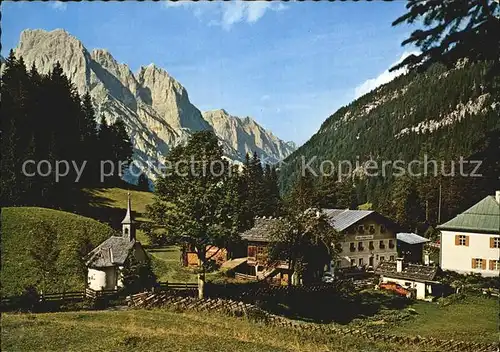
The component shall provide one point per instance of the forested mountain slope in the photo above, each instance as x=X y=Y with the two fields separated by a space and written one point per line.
x=442 y=113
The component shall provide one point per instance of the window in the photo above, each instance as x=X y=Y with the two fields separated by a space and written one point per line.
x=372 y=229
x=391 y=258
x=391 y=244
x=360 y=246
x=370 y=245
x=361 y=229
x=370 y=261
x=338 y=246
x=351 y=247
x=382 y=258
x=461 y=240
x=495 y=265
x=477 y=263
x=360 y=261
x=382 y=229
x=495 y=242
x=126 y=230
x=381 y=245
x=353 y=262
x=260 y=268
x=260 y=250
x=251 y=251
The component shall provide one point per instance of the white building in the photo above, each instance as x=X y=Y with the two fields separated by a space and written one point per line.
x=368 y=238
x=411 y=276
x=106 y=261
x=470 y=242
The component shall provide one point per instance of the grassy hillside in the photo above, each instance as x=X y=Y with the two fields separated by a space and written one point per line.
x=19 y=231
x=165 y=330
x=158 y=330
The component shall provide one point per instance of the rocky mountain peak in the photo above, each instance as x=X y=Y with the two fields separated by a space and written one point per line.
x=153 y=105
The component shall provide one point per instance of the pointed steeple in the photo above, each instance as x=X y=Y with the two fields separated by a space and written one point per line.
x=128 y=216
x=128 y=227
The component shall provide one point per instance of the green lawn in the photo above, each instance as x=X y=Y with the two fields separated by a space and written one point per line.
x=159 y=330
x=475 y=318
x=19 y=233
x=167 y=267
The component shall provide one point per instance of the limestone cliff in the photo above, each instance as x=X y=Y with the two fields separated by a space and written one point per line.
x=153 y=105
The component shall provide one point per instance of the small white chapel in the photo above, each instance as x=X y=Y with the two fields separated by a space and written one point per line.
x=105 y=262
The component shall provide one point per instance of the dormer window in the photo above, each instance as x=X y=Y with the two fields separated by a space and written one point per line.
x=372 y=229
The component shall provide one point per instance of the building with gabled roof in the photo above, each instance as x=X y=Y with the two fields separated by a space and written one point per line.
x=420 y=278
x=105 y=262
x=470 y=242
x=366 y=239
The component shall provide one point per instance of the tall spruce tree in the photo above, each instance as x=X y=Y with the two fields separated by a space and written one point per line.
x=452 y=29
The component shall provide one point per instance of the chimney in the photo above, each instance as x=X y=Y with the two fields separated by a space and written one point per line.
x=399 y=265
x=497 y=196
x=426 y=259
x=111 y=259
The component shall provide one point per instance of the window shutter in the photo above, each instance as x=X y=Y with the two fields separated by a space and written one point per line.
x=492 y=242
x=457 y=240
x=483 y=265
x=492 y=262
x=467 y=241
x=473 y=265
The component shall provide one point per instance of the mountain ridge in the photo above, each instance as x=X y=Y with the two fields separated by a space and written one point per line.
x=154 y=106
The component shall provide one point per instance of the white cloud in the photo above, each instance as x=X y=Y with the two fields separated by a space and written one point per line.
x=228 y=13
x=58 y=5
x=383 y=78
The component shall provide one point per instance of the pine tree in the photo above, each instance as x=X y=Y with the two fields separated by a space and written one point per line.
x=121 y=147
x=143 y=183
x=304 y=194
x=452 y=30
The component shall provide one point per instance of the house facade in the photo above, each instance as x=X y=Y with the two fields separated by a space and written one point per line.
x=367 y=238
x=470 y=242
x=257 y=242
x=106 y=261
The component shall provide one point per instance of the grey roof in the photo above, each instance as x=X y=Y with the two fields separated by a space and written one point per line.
x=411 y=238
x=100 y=256
x=343 y=218
x=409 y=272
x=260 y=231
x=483 y=217
x=340 y=219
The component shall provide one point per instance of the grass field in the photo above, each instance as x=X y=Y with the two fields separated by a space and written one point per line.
x=475 y=318
x=167 y=267
x=158 y=330
x=19 y=233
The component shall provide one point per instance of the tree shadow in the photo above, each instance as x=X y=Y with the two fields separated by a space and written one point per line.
x=320 y=305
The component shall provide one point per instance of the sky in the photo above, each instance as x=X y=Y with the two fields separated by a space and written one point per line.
x=289 y=65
